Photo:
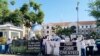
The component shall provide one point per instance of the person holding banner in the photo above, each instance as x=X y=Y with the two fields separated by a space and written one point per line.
x=83 y=47
x=44 y=45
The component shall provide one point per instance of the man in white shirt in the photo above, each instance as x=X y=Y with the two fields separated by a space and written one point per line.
x=9 y=41
x=91 y=43
x=83 y=47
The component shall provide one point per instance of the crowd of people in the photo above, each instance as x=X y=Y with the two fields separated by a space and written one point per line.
x=50 y=45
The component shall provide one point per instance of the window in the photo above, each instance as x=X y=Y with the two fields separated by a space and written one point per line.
x=90 y=26
x=43 y=27
x=82 y=31
x=47 y=31
x=53 y=28
x=86 y=30
x=90 y=30
x=47 y=27
x=82 y=26
x=86 y=26
x=53 y=31
x=14 y=35
x=1 y=34
x=43 y=31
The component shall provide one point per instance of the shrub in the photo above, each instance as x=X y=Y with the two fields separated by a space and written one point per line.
x=3 y=40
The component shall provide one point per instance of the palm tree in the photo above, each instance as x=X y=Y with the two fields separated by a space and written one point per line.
x=12 y=2
x=36 y=7
x=33 y=17
x=31 y=3
x=40 y=17
x=24 y=8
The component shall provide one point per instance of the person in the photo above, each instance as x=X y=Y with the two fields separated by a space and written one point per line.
x=91 y=44
x=83 y=47
x=9 y=41
x=44 y=45
x=51 y=46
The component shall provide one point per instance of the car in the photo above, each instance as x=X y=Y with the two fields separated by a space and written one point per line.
x=97 y=42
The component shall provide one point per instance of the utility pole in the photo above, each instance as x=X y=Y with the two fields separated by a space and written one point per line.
x=77 y=27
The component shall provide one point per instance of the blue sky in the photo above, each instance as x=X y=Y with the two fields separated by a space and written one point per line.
x=61 y=10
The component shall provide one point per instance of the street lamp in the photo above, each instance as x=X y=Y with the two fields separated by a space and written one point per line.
x=77 y=9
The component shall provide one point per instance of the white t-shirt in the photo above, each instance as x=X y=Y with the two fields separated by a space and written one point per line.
x=91 y=42
x=9 y=41
x=83 y=44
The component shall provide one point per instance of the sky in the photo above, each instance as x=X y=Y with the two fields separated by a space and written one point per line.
x=61 y=10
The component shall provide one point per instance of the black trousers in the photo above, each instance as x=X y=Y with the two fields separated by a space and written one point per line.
x=91 y=52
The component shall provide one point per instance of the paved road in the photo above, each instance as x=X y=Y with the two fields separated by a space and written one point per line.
x=7 y=55
x=18 y=55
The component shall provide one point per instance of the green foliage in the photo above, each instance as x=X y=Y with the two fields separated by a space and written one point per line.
x=33 y=17
x=63 y=31
x=93 y=35
x=95 y=10
x=38 y=36
x=20 y=49
x=12 y=2
x=36 y=7
x=22 y=15
x=3 y=40
x=31 y=3
x=24 y=8
x=73 y=29
x=13 y=17
x=40 y=17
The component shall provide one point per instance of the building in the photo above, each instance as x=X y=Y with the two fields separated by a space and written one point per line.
x=85 y=27
x=10 y=31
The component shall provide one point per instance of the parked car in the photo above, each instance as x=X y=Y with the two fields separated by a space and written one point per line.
x=98 y=46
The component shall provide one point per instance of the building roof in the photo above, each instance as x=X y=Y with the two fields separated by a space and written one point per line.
x=10 y=26
x=87 y=22
x=68 y=23
x=60 y=23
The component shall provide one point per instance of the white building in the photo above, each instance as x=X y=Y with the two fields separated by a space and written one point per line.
x=9 y=31
x=85 y=27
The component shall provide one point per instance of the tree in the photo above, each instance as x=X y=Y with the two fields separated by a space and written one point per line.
x=22 y=15
x=63 y=31
x=15 y=18
x=3 y=10
x=93 y=35
x=12 y=2
x=33 y=17
x=95 y=10
x=73 y=29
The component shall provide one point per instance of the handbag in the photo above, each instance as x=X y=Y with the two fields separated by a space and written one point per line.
x=95 y=48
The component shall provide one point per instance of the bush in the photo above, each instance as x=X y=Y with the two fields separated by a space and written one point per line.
x=3 y=40
x=18 y=46
x=19 y=42
x=20 y=49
